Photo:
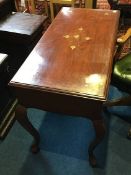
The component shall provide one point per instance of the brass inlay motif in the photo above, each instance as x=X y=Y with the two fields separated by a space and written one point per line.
x=66 y=36
x=73 y=47
x=77 y=38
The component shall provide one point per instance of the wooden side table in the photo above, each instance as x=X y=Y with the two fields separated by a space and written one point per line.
x=69 y=70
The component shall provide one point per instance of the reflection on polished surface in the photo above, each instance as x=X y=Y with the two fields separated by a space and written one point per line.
x=94 y=83
x=72 y=52
x=32 y=68
x=66 y=11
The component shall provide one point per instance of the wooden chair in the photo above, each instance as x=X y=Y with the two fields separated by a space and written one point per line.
x=63 y=2
x=88 y=4
x=30 y=6
x=125 y=8
x=121 y=75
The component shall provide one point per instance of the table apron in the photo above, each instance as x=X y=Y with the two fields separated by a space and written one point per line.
x=58 y=102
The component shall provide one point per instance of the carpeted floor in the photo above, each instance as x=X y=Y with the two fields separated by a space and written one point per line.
x=64 y=144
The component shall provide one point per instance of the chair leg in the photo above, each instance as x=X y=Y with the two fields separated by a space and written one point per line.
x=27 y=9
x=73 y=3
x=88 y=3
x=46 y=7
x=17 y=5
x=124 y=101
x=51 y=11
x=30 y=6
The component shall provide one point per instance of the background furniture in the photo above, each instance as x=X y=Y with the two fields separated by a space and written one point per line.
x=63 y=2
x=19 y=33
x=121 y=76
x=7 y=100
x=125 y=8
x=90 y=3
x=87 y=4
x=32 y=6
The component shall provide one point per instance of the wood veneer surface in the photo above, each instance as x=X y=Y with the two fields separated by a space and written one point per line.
x=74 y=55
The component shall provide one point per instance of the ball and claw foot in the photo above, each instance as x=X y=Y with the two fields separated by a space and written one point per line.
x=35 y=149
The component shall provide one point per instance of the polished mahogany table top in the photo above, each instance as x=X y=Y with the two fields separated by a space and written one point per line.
x=74 y=56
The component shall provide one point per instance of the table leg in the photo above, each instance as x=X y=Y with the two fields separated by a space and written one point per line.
x=22 y=118
x=99 y=126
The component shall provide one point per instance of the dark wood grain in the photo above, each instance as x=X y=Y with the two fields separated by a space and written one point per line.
x=69 y=69
x=54 y=65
